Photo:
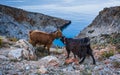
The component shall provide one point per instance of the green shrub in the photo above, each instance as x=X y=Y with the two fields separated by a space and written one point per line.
x=118 y=50
x=107 y=54
x=115 y=39
x=91 y=31
x=14 y=60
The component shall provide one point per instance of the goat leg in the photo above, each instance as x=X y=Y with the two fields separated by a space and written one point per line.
x=74 y=55
x=93 y=59
x=68 y=53
x=90 y=53
x=82 y=59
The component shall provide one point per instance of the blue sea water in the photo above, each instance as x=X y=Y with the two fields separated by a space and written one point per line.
x=80 y=12
x=73 y=30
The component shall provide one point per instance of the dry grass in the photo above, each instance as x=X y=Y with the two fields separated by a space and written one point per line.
x=0 y=41
x=104 y=53
x=116 y=64
x=13 y=39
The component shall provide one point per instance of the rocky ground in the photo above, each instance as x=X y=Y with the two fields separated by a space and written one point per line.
x=18 y=58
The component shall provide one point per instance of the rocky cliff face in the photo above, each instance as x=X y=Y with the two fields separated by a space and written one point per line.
x=106 y=24
x=17 y=22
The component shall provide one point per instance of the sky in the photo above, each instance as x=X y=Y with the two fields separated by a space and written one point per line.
x=63 y=7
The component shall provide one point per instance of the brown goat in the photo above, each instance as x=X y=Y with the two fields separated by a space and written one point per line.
x=43 y=38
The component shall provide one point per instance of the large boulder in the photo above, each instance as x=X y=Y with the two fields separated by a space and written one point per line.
x=24 y=51
x=15 y=54
x=49 y=60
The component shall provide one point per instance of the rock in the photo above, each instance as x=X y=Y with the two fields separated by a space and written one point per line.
x=24 y=44
x=2 y=57
x=56 y=50
x=24 y=50
x=27 y=67
x=115 y=60
x=71 y=60
x=115 y=57
x=118 y=72
x=100 y=67
x=82 y=67
x=42 y=70
x=15 y=54
x=1 y=72
x=28 y=51
x=18 y=26
x=107 y=61
x=49 y=60
x=69 y=68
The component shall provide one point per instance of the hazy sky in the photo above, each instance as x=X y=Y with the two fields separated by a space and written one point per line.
x=57 y=7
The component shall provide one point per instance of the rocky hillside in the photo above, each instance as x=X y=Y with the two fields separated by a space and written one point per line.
x=21 y=58
x=105 y=25
x=16 y=22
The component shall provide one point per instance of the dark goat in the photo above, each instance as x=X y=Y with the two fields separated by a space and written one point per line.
x=80 y=47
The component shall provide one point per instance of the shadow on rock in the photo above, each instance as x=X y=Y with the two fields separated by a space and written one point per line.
x=41 y=51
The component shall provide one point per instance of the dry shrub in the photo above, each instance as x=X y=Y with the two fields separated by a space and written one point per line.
x=116 y=64
x=105 y=52
x=109 y=51
x=0 y=41
x=118 y=51
x=13 y=39
x=41 y=51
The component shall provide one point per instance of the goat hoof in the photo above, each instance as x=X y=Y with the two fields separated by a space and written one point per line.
x=48 y=53
x=80 y=62
x=94 y=63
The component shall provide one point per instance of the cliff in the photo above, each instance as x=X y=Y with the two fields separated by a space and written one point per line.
x=105 y=27
x=16 y=22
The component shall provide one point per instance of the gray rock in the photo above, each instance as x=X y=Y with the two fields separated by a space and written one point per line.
x=27 y=67
x=42 y=70
x=2 y=57
x=115 y=57
x=69 y=68
x=15 y=54
x=56 y=50
x=28 y=51
x=49 y=60
x=24 y=50
x=1 y=73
